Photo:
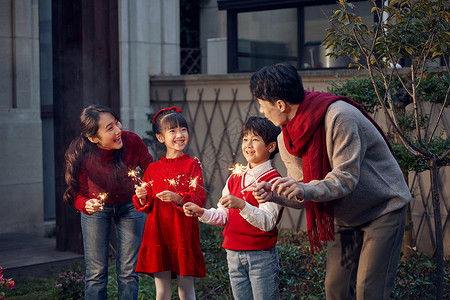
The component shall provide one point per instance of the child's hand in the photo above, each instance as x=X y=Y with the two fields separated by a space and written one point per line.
x=168 y=196
x=141 y=193
x=229 y=201
x=262 y=191
x=193 y=210
x=92 y=206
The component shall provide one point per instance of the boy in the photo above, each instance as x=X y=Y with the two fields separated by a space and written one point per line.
x=250 y=232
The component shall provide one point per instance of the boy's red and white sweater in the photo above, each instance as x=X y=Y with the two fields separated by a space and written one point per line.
x=253 y=228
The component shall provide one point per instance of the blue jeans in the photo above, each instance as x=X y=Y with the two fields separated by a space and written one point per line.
x=254 y=274
x=96 y=232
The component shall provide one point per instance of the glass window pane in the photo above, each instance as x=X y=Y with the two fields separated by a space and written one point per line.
x=316 y=25
x=266 y=37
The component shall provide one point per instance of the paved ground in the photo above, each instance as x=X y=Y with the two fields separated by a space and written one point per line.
x=25 y=255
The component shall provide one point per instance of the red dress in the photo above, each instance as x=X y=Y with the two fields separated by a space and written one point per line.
x=171 y=240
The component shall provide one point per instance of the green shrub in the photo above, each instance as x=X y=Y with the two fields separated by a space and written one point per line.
x=301 y=276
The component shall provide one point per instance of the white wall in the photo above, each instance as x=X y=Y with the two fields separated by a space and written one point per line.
x=213 y=24
x=149 y=41
x=21 y=179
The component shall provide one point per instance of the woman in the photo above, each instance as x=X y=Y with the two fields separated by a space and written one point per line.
x=97 y=166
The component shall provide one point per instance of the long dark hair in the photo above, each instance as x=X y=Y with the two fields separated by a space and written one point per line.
x=81 y=147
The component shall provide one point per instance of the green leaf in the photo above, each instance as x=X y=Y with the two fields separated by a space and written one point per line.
x=410 y=50
x=392 y=3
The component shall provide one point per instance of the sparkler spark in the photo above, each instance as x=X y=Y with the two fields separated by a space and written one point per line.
x=193 y=182
x=101 y=198
x=237 y=169
x=173 y=182
x=133 y=174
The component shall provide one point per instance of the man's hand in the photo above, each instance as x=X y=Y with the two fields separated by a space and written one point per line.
x=288 y=187
x=261 y=191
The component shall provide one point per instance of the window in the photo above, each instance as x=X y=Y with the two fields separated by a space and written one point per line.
x=266 y=37
x=266 y=32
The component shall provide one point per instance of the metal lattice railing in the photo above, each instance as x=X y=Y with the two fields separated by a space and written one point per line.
x=190 y=60
x=215 y=139
x=215 y=113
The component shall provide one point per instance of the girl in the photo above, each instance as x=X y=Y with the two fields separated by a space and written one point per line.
x=171 y=241
x=97 y=164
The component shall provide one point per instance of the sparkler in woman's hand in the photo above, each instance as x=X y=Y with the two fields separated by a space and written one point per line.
x=101 y=198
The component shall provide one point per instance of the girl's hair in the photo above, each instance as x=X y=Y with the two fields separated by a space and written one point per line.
x=280 y=81
x=264 y=128
x=168 y=117
x=81 y=147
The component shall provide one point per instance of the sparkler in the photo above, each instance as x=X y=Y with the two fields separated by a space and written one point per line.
x=193 y=183
x=135 y=176
x=237 y=169
x=173 y=182
x=101 y=198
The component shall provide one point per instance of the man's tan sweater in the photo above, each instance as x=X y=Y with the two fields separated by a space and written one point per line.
x=365 y=181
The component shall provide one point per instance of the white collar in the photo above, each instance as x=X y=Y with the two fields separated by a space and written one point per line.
x=259 y=169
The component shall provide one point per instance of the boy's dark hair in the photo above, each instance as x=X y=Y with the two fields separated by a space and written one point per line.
x=278 y=82
x=264 y=128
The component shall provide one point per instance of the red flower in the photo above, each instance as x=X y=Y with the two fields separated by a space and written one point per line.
x=10 y=285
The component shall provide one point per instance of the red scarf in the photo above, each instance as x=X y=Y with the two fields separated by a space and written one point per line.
x=304 y=136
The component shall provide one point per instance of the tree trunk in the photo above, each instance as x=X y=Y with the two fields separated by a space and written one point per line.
x=408 y=240
x=439 y=254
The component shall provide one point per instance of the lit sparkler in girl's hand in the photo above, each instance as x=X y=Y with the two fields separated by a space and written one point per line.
x=134 y=175
x=173 y=182
x=193 y=182
x=238 y=169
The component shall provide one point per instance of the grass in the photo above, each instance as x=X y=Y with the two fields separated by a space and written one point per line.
x=301 y=276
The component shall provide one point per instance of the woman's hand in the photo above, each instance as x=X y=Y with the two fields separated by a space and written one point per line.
x=168 y=196
x=93 y=205
x=193 y=210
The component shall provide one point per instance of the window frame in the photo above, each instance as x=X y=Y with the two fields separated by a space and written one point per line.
x=234 y=7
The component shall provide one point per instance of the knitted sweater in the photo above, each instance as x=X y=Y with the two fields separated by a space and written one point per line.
x=253 y=228
x=365 y=181
x=96 y=171
x=171 y=240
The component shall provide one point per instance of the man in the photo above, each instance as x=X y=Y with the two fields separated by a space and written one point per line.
x=346 y=177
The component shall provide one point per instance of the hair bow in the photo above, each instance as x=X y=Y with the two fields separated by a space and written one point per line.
x=174 y=108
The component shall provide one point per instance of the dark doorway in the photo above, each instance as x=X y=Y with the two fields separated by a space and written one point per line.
x=85 y=71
